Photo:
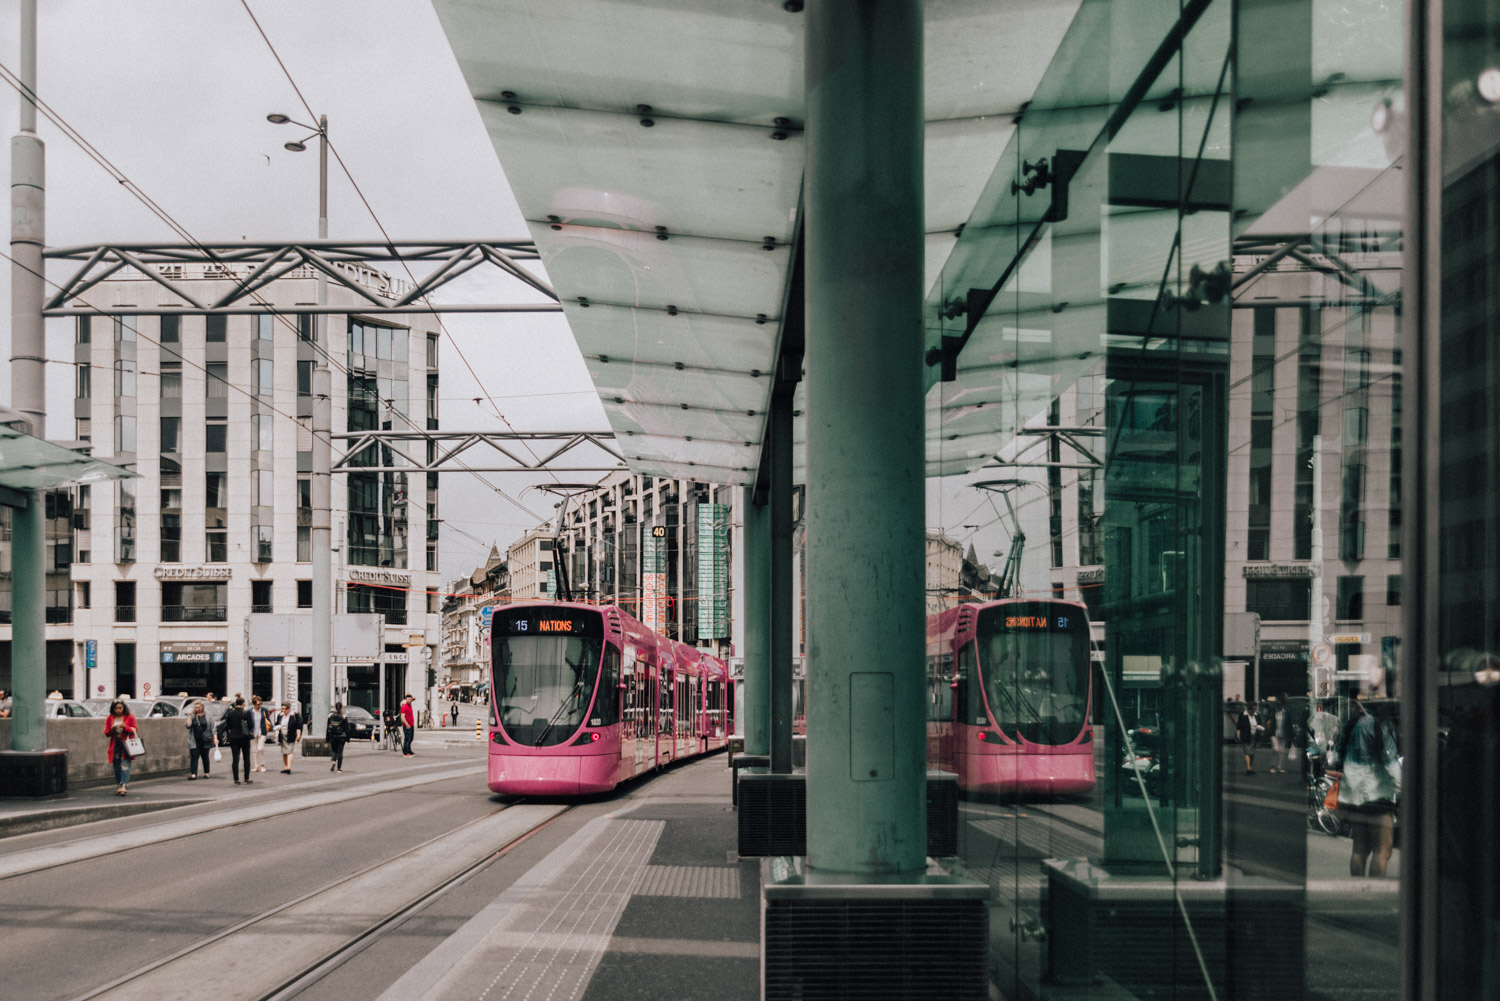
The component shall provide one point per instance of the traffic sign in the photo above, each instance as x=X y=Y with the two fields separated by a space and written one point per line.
x=1320 y=653
x=146 y=689
x=1349 y=638
x=485 y=615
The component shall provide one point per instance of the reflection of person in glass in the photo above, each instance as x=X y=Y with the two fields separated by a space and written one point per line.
x=1366 y=751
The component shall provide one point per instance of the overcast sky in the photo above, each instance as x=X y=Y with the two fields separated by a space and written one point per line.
x=175 y=94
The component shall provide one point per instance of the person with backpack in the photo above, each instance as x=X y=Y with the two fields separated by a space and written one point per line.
x=338 y=736
x=1368 y=788
x=240 y=727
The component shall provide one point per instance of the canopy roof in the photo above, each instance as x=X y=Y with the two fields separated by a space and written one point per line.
x=28 y=463
x=656 y=152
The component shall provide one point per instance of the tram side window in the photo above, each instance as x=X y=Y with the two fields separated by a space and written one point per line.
x=645 y=708
x=940 y=682
x=962 y=702
x=607 y=705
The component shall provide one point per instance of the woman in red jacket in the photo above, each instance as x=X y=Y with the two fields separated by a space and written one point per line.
x=119 y=726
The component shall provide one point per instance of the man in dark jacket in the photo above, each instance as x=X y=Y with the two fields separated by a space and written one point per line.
x=240 y=727
x=1246 y=728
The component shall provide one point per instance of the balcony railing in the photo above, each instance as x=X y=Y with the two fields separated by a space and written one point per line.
x=195 y=613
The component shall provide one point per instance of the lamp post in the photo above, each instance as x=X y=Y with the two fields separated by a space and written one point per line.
x=322 y=459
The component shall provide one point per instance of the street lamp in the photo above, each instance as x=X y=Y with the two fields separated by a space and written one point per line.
x=322 y=458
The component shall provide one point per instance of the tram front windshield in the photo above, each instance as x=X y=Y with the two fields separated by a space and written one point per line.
x=1034 y=658
x=546 y=664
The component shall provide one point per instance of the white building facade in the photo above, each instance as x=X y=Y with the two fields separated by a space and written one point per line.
x=214 y=415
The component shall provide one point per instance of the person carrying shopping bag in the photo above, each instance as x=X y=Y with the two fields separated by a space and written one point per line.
x=201 y=741
x=288 y=729
x=120 y=731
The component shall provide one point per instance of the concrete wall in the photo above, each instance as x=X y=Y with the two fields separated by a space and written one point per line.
x=88 y=752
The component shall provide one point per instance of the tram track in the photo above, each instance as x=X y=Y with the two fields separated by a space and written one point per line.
x=177 y=967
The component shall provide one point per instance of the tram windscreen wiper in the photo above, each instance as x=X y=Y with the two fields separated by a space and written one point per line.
x=557 y=715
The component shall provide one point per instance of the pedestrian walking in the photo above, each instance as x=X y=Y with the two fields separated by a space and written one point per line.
x=1245 y=728
x=1368 y=789
x=1277 y=725
x=239 y=727
x=338 y=736
x=408 y=723
x=119 y=727
x=261 y=719
x=201 y=741
x=453 y=712
x=288 y=728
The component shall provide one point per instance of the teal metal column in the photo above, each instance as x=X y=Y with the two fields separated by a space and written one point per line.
x=866 y=769
x=756 y=551
x=28 y=644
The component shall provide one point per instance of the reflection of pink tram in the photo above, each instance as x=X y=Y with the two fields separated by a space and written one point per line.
x=586 y=697
x=1008 y=696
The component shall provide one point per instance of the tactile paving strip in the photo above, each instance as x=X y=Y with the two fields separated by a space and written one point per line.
x=546 y=949
x=712 y=881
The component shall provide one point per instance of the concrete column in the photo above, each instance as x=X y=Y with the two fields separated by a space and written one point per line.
x=865 y=494
x=779 y=440
x=28 y=394
x=28 y=645
x=322 y=480
x=756 y=553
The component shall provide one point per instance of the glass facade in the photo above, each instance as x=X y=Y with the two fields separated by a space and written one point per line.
x=1186 y=270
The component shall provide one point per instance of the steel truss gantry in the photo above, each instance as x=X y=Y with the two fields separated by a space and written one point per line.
x=439 y=451
x=347 y=264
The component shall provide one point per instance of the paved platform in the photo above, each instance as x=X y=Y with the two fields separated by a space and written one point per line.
x=648 y=901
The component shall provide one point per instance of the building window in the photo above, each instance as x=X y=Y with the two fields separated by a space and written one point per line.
x=1393 y=589
x=124 y=601
x=260 y=597
x=304 y=594
x=1279 y=600
x=263 y=326
x=380 y=600
x=124 y=433
x=216 y=491
x=1351 y=598
x=171 y=329
x=263 y=544
x=85 y=382
x=263 y=377
x=217 y=543
x=171 y=537
x=214 y=328
x=85 y=329
x=304 y=519
x=265 y=436
x=171 y=434
x=184 y=601
x=85 y=594
x=125 y=329
x=216 y=436
x=304 y=378
x=125 y=524
x=305 y=326
x=59 y=605
x=171 y=385
x=124 y=669
x=217 y=379
x=124 y=378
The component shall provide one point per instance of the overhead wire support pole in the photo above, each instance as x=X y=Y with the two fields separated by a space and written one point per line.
x=28 y=394
x=322 y=478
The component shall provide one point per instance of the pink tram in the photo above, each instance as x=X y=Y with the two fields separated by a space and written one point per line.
x=1009 y=687
x=585 y=697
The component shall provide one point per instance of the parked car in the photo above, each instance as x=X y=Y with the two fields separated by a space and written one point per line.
x=67 y=709
x=360 y=724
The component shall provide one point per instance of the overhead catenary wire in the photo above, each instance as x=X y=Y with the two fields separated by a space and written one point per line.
x=161 y=213
x=348 y=174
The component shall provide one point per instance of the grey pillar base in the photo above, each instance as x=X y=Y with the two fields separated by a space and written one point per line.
x=34 y=774
x=316 y=747
x=840 y=936
x=1128 y=929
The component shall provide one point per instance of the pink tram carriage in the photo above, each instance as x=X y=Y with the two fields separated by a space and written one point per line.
x=1009 y=688
x=585 y=697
